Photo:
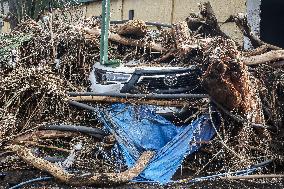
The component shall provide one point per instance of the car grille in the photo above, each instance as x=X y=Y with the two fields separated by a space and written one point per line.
x=182 y=83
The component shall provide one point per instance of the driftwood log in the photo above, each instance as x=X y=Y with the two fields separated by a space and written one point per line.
x=94 y=33
x=242 y=23
x=106 y=99
x=106 y=179
x=206 y=22
x=268 y=57
x=48 y=134
x=256 y=51
x=226 y=78
x=135 y=28
x=184 y=43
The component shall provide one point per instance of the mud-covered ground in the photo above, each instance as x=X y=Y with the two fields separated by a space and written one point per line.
x=13 y=178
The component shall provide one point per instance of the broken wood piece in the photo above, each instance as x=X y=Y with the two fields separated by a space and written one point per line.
x=252 y=177
x=95 y=132
x=94 y=33
x=48 y=134
x=107 y=99
x=231 y=85
x=183 y=40
x=32 y=143
x=136 y=28
x=205 y=23
x=194 y=22
x=208 y=14
x=257 y=51
x=167 y=55
x=271 y=56
x=242 y=23
x=86 y=179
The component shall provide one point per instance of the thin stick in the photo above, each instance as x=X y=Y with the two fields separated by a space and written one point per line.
x=44 y=146
x=221 y=140
x=253 y=177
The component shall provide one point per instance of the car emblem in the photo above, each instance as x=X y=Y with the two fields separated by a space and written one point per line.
x=170 y=80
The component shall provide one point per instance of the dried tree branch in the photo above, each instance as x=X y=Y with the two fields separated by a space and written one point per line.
x=256 y=51
x=49 y=134
x=206 y=22
x=32 y=143
x=243 y=25
x=183 y=41
x=94 y=33
x=79 y=180
x=272 y=56
x=106 y=99
x=252 y=177
x=136 y=28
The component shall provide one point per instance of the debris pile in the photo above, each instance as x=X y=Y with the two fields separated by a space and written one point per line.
x=42 y=62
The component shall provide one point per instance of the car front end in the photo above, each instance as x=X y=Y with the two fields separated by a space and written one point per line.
x=145 y=79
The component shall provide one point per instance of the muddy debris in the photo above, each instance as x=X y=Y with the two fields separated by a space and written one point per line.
x=40 y=65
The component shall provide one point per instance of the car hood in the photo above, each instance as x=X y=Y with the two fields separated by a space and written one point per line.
x=123 y=68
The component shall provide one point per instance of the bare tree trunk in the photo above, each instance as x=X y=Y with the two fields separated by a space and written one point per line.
x=94 y=33
x=268 y=57
x=206 y=22
x=242 y=23
x=134 y=27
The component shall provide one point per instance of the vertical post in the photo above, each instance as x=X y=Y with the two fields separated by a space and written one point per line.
x=104 y=32
x=53 y=50
x=122 y=7
x=173 y=11
x=2 y=7
x=1 y=13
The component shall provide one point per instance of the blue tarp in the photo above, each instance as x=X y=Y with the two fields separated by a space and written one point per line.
x=139 y=128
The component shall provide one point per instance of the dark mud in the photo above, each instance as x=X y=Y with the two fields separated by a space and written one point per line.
x=15 y=177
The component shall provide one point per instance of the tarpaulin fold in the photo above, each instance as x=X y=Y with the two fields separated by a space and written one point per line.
x=139 y=128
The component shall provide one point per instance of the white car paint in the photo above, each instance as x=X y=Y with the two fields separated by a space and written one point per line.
x=123 y=68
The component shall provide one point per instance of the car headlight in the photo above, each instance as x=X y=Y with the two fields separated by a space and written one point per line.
x=105 y=77
x=112 y=76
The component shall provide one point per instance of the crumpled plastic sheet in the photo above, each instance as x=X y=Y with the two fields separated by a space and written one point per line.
x=139 y=128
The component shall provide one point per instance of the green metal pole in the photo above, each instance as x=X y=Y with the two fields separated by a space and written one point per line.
x=104 y=32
